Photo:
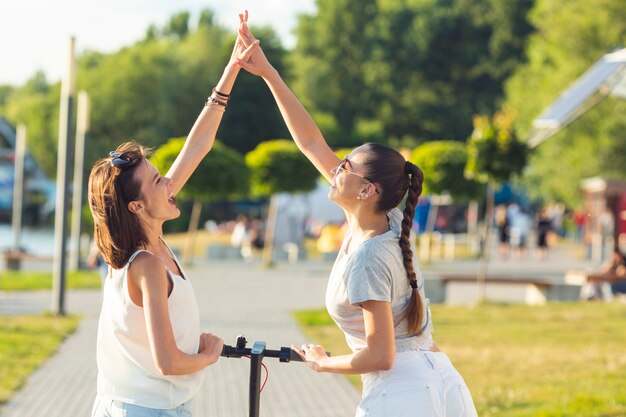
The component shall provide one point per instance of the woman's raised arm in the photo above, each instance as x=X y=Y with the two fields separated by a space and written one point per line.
x=303 y=129
x=202 y=135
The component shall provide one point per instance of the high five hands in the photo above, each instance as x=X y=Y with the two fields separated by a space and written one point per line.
x=254 y=60
x=243 y=48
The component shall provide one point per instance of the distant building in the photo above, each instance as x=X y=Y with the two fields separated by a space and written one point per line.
x=38 y=189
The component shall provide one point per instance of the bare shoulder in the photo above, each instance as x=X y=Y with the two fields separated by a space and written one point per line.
x=147 y=265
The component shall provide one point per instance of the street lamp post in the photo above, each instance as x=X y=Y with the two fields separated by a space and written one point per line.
x=60 y=218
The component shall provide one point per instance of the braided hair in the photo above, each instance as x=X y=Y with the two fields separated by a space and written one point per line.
x=397 y=178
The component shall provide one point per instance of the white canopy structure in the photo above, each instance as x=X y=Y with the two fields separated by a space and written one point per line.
x=606 y=76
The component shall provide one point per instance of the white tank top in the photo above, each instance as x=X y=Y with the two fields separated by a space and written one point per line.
x=126 y=369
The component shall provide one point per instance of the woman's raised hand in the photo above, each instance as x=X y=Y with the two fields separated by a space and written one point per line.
x=242 y=50
x=257 y=62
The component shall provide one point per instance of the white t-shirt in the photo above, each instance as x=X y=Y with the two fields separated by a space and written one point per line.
x=126 y=369
x=375 y=271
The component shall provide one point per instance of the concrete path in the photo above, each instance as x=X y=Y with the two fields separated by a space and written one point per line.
x=234 y=298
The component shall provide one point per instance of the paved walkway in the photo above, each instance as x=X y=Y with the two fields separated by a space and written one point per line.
x=234 y=298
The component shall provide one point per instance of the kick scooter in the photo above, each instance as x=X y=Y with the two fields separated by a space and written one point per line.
x=256 y=355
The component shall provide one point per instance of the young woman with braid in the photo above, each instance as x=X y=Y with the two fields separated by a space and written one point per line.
x=375 y=292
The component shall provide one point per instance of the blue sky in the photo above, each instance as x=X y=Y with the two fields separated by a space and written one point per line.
x=34 y=34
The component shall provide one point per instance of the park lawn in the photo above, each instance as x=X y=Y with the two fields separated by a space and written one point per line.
x=25 y=343
x=522 y=361
x=30 y=281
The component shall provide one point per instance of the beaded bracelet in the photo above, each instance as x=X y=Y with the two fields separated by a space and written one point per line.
x=214 y=101
x=215 y=107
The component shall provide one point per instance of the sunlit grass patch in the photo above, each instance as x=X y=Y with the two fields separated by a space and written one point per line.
x=25 y=343
x=523 y=361
x=30 y=281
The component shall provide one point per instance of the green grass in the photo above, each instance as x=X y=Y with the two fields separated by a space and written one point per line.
x=26 y=342
x=520 y=361
x=30 y=281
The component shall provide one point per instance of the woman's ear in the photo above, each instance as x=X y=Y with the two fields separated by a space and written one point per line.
x=367 y=191
x=135 y=207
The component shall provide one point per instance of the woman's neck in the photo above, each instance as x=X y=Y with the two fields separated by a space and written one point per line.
x=367 y=225
x=153 y=233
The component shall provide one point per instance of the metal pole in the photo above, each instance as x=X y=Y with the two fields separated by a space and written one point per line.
x=60 y=218
x=82 y=125
x=18 y=187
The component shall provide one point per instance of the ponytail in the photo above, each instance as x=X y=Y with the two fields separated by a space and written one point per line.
x=414 y=311
x=396 y=176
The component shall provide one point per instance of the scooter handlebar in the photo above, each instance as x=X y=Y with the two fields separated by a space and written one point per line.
x=285 y=354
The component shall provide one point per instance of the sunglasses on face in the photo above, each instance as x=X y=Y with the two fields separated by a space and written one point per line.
x=342 y=168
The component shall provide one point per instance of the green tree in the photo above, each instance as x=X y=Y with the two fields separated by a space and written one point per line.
x=178 y=25
x=495 y=155
x=401 y=72
x=133 y=96
x=443 y=163
x=223 y=173
x=495 y=151
x=330 y=57
x=569 y=39
x=207 y=18
x=36 y=105
x=278 y=166
x=5 y=91
x=151 y=91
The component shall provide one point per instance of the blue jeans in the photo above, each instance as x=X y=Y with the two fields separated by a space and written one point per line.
x=619 y=287
x=104 y=407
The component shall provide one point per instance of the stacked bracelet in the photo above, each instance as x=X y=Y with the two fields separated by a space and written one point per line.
x=220 y=95
x=214 y=105
x=217 y=99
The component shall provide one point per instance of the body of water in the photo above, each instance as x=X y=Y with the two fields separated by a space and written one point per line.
x=38 y=241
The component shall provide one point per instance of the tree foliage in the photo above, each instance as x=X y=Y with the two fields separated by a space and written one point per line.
x=279 y=166
x=443 y=163
x=570 y=37
x=36 y=105
x=178 y=25
x=403 y=72
x=152 y=91
x=333 y=48
x=495 y=151
x=223 y=173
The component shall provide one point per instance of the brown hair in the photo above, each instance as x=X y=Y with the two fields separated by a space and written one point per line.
x=117 y=231
x=395 y=176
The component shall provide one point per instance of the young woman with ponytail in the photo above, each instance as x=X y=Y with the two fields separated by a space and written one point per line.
x=375 y=292
x=151 y=352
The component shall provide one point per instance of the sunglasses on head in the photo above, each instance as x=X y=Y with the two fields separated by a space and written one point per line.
x=120 y=159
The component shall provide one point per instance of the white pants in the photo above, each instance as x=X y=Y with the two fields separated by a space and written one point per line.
x=420 y=384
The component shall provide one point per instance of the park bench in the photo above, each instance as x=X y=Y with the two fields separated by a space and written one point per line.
x=463 y=289
x=12 y=260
